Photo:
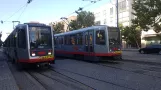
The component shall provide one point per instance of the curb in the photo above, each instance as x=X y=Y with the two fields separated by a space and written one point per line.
x=141 y=62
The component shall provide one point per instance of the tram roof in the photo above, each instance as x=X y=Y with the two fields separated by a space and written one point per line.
x=81 y=30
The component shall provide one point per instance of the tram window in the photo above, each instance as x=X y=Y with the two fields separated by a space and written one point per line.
x=59 y=40
x=91 y=39
x=68 y=40
x=79 y=39
x=100 y=37
x=86 y=39
x=65 y=40
x=21 y=38
x=55 y=40
x=62 y=40
x=72 y=39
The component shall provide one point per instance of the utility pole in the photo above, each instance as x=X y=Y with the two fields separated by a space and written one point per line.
x=117 y=13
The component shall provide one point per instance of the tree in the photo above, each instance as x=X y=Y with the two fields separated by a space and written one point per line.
x=131 y=35
x=1 y=39
x=58 y=27
x=74 y=25
x=84 y=19
x=148 y=14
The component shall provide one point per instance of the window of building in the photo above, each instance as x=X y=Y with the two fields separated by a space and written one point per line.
x=111 y=11
x=105 y=21
x=104 y=13
x=100 y=37
x=98 y=23
x=122 y=5
x=111 y=19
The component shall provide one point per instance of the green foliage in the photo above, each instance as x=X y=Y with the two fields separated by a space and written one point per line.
x=84 y=19
x=131 y=35
x=74 y=25
x=148 y=14
x=58 y=28
x=0 y=38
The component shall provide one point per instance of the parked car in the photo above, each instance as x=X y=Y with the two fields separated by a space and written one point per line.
x=151 y=49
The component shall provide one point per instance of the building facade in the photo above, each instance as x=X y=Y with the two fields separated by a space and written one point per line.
x=69 y=19
x=150 y=37
x=66 y=22
x=107 y=15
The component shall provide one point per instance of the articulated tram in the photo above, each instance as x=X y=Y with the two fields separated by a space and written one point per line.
x=30 y=43
x=92 y=43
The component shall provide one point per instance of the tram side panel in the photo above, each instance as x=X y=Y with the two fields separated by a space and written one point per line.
x=22 y=50
x=91 y=48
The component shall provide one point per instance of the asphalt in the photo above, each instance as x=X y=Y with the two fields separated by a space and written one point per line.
x=136 y=57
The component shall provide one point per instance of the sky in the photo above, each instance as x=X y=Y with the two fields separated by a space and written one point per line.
x=44 y=11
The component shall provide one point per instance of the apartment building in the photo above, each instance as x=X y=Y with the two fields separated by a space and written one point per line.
x=107 y=15
x=69 y=19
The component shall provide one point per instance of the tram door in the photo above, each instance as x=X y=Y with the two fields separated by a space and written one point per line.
x=89 y=45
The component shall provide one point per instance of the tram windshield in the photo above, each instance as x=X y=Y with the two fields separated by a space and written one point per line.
x=40 y=37
x=114 y=36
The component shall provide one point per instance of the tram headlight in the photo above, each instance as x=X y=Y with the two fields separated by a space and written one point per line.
x=49 y=53
x=33 y=54
x=110 y=50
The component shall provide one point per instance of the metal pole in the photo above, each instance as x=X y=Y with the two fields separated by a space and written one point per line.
x=13 y=25
x=117 y=13
x=14 y=22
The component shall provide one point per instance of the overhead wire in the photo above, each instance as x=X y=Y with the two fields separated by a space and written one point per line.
x=15 y=12
x=28 y=2
x=22 y=11
x=87 y=5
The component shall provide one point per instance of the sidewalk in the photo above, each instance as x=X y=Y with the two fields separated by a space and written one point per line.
x=126 y=49
x=7 y=81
